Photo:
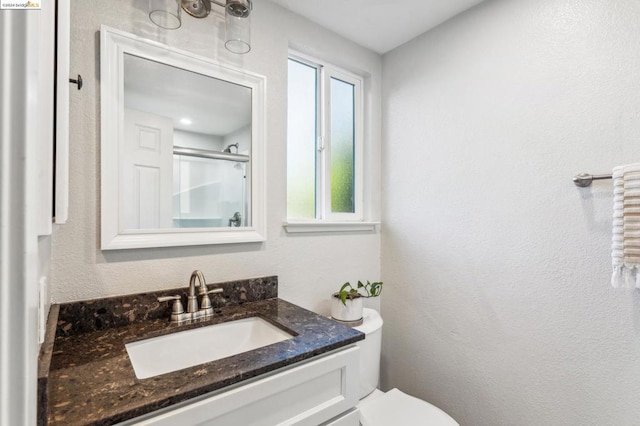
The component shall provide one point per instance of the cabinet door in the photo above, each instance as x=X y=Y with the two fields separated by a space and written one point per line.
x=308 y=394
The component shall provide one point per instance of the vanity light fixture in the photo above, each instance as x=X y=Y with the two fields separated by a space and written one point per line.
x=166 y=14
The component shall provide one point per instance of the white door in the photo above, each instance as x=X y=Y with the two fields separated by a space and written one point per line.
x=146 y=174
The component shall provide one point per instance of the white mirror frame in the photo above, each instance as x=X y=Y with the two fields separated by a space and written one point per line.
x=114 y=44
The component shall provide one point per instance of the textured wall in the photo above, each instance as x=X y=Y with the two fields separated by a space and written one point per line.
x=498 y=306
x=310 y=267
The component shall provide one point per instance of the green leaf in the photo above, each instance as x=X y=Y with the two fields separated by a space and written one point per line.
x=344 y=286
x=372 y=289
x=376 y=288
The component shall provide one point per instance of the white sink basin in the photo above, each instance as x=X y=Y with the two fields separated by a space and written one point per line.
x=164 y=354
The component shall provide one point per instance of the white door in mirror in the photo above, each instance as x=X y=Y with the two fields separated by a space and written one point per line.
x=146 y=179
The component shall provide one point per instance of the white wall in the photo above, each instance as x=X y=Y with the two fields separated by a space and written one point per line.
x=310 y=267
x=186 y=139
x=497 y=301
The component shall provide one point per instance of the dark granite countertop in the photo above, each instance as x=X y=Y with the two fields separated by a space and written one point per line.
x=86 y=378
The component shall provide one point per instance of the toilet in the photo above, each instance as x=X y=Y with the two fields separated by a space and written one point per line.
x=394 y=407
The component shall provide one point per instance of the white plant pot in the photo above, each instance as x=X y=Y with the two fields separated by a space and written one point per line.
x=352 y=311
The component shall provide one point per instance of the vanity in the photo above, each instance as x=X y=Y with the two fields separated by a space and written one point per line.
x=86 y=377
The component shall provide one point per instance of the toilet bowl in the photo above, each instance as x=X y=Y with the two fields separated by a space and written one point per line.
x=394 y=407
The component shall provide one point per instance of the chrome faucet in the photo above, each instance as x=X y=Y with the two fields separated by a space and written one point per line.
x=192 y=299
x=205 y=310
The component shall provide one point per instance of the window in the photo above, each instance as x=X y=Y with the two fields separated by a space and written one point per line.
x=324 y=143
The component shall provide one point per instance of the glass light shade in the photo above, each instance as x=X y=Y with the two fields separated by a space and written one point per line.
x=238 y=34
x=165 y=13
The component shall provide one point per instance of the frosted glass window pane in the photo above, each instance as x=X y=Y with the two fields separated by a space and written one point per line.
x=342 y=146
x=301 y=142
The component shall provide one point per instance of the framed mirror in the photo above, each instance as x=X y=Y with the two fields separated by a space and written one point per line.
x=182 y=145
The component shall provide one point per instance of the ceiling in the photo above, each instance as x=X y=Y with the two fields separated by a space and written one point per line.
x=211 y=106
x=380 y=25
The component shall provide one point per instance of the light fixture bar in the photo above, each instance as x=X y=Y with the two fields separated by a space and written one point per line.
x=214 y=155
x=202 y=8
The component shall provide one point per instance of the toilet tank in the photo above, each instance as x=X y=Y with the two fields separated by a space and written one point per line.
x=370 y=349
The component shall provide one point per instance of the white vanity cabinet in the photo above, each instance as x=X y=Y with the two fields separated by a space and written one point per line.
x=320 y=391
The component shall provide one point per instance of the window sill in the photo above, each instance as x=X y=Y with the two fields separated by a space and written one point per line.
x=294 y=227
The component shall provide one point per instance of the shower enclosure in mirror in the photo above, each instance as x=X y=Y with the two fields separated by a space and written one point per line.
x=182 y=147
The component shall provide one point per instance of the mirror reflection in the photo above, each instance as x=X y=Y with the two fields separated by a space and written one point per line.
x=187 y=145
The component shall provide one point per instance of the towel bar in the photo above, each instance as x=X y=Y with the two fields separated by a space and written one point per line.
x=585 y=179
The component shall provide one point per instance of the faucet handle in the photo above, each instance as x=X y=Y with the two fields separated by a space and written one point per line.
x=205 y=304
x=167 y=298
x=176 y=309
x=206 y=301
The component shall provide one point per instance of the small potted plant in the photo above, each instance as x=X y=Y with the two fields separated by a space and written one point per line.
x=346 y=304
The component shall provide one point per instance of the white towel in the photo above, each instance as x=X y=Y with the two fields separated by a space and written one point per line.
x=625 y=247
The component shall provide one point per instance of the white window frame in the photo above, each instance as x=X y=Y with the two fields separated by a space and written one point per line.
x=325 y=219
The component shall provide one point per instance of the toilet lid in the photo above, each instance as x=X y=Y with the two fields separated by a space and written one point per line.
x=398 y=408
